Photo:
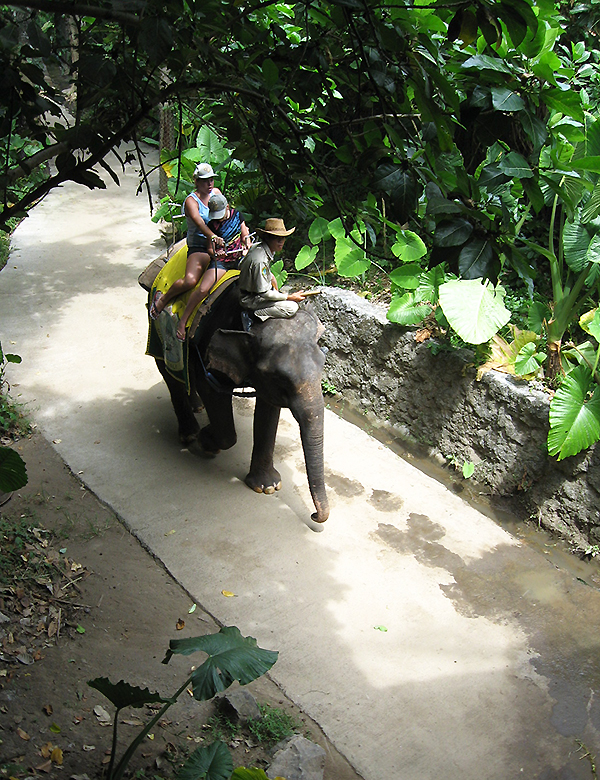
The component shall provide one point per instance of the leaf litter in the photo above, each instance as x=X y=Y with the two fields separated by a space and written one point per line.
x=38 y=592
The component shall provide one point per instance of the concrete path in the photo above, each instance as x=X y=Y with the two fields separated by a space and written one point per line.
x=427 y=641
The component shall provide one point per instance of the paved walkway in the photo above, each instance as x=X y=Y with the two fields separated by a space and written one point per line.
x=427 y=641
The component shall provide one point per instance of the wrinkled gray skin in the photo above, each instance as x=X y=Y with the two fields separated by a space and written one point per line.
x=282 y=361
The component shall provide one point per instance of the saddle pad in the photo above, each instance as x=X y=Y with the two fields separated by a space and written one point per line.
x=162 y=343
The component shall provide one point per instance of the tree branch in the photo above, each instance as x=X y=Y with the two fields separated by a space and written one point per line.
x=28 y=164
x=71 y=174
x=76 y=9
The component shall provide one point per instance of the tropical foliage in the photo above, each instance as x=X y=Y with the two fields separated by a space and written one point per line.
x=13 y=472
x=230 y=657
x=454 y=146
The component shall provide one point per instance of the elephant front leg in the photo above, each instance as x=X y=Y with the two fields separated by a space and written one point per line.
x=263 y=477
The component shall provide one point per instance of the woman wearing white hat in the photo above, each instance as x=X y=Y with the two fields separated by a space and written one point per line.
x=257 y=284
x=196 y=211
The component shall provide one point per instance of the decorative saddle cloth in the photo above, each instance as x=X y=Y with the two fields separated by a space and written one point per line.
x=163 y=344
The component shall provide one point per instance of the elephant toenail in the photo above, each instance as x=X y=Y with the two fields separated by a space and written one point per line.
x=269 y=489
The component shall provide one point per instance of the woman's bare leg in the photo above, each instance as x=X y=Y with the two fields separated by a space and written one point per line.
x=210 y=278
x=195 y=266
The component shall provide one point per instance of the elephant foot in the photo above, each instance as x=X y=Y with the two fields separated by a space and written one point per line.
x=266 y=482
x=213 y=444
x=188 y=438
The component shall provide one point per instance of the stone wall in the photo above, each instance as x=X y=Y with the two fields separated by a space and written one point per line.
x=434 y=403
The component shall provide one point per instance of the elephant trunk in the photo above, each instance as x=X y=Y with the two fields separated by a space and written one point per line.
x=308 y=410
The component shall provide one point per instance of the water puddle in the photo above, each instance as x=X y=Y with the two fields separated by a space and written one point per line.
x=559 y=618
x=474 y=494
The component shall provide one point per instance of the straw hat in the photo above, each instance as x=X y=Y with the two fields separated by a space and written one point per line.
x=275 y=227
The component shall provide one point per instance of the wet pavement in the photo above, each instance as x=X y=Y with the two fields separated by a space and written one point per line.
x=427 y=640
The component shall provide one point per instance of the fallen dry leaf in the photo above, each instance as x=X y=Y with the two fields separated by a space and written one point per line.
x=102 y=715
x=57 y=756
x=422 y=335
x=180 y=624
x=46 y=750
x=23 y=734
x=47 y=709
x=45 y=767
x=227 y=593
x=132 y=722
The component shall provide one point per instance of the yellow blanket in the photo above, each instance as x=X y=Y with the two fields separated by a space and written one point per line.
x=175 y=269
x=162 y=342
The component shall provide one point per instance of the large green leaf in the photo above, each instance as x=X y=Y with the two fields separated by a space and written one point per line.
x=591 y=210
x=429 y=284
x=318 y=230
x=476 y=259
x=279 y=273
x=453 y=233
x=123 y=694
x=409 y=246
x=305 y=257
x=13 y=472
x=590 y=323
x=230 y=657
x=515 y=166
x=407 y=310
x=528 y=361
x=406 y=276
x=566 y=102
x=242 y=773
x=504 y=99
x=485 y=62
x=211 y=146
x=210 y=762
x=474 y=308
x=574 y=416
x=350 y=260
x=492 y=177
x=576 y=243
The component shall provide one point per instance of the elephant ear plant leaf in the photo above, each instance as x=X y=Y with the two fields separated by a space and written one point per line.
x=210 y=763
x=474 y=308
x=13 y=472
x=575 y=408
x=231 y=657
x=574 y=414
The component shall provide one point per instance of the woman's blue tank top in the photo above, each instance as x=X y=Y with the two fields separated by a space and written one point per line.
x=195 y=237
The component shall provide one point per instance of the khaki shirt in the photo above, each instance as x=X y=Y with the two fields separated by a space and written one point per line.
x=255 y=278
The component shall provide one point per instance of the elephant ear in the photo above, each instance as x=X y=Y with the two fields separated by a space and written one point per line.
x=231 y=352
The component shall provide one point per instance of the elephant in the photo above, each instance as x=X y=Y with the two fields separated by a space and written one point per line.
x=282 y=361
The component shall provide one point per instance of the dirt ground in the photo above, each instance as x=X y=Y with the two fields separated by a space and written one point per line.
x=109 y=611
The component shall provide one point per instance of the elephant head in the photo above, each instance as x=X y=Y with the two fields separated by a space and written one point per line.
x=283 y=362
